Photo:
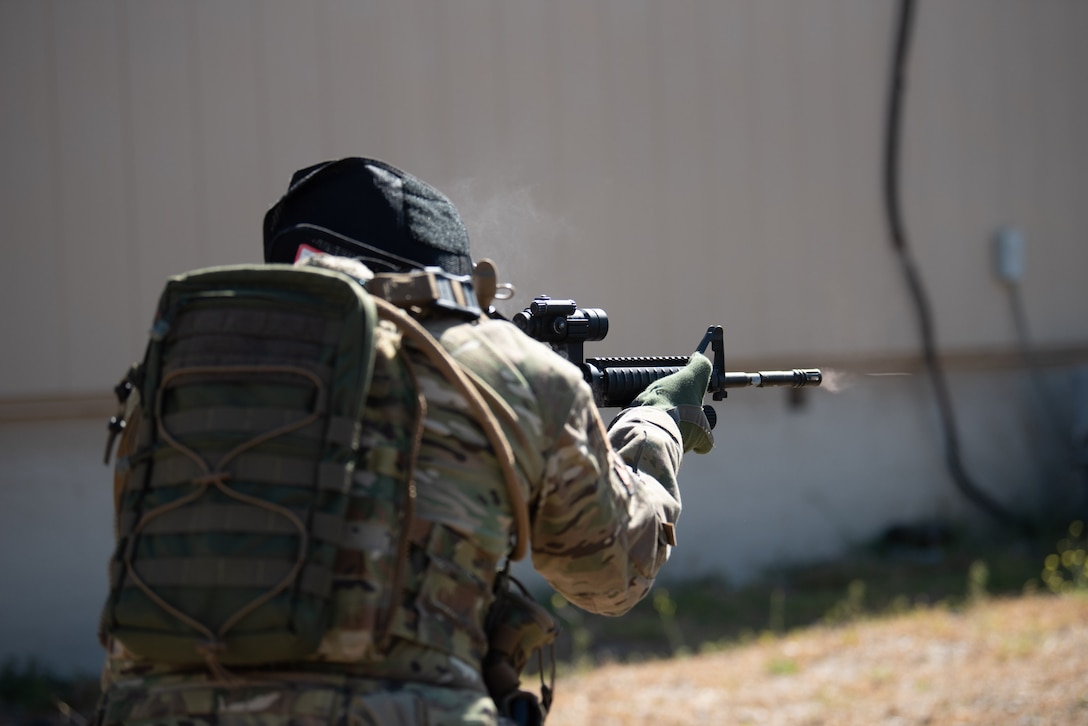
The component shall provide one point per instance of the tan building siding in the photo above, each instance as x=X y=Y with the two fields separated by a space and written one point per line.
x=727 y=150
x=994 y=137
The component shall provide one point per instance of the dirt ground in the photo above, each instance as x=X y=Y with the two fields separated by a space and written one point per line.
x=997 y=662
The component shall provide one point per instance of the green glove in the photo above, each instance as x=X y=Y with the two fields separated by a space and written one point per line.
x=680 y=395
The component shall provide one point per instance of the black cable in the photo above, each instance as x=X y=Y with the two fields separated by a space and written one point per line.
x=953 y=460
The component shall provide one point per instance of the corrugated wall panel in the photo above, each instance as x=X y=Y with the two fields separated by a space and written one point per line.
x=992 y=140
x=952 y=165
x=465 y=125
x=732 y=256
x=416 y=98
x=1058 y=282
x=1016 y=129
x=365 y=79
x=616 y=152
x=776 y=178
x=95 y=272
x=509 y=198
x=293 y=87
x=626 y=239
x=683 y=222
x=875 y=306
x=812 y=254
x=593 y=118
x=31 y=288
x=163 y=152
x=685 y=168
x=235 y=188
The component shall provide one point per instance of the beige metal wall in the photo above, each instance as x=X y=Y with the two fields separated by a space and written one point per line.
x=676 y=163
x=679 y=164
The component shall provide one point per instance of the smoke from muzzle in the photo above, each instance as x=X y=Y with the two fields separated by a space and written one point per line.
x=836 y=381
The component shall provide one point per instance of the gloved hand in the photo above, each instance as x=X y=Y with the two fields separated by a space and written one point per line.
x=680 y=395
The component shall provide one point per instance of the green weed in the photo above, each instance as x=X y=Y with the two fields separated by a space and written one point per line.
x=1066 y=569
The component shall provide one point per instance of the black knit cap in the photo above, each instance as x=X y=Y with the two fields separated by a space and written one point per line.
x=369 y=210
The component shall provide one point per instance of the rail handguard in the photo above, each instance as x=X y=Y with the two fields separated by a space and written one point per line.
x=617 y=381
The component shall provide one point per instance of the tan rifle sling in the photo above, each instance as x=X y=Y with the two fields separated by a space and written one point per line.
x=471 y=388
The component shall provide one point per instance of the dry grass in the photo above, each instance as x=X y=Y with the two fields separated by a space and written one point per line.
x=1000 y=661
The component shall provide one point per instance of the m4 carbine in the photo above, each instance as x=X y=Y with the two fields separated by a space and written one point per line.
x=617 y=381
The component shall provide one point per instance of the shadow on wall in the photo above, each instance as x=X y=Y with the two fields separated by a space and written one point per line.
x=788 y=483
x=56 y=538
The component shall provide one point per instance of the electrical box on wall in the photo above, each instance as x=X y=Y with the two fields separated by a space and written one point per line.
x=1009 y=254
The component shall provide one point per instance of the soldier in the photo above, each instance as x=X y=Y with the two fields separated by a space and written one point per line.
x=600 y=504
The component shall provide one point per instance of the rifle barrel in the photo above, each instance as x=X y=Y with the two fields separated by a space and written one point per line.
x=796 y=378
x=617 y=381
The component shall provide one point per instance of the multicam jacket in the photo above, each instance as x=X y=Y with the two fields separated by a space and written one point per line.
x=407 y=643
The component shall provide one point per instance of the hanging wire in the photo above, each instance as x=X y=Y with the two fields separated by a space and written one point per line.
x=953 y=459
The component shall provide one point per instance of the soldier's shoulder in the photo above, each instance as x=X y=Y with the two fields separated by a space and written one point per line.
x=505 y=344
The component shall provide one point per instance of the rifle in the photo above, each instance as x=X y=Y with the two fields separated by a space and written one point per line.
x=617 y=381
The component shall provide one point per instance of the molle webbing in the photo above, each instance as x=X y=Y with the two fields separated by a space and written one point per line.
x=267 y=468
x=254 y=421
x=434 y=593
x=267 y=508
x=290 y=330
x=450 y=593
x=225 y=572
x=234 y=518
x=235 y=499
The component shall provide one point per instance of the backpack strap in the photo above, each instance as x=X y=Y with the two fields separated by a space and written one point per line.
x=487 y=419
x=429 y=287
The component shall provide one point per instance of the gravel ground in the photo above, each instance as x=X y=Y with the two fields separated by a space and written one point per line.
x=1008 y=661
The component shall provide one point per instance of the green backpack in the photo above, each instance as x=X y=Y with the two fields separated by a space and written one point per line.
x=236 y=468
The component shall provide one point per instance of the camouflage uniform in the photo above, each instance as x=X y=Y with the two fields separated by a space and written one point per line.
x=406 y=647
x=430 y=517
